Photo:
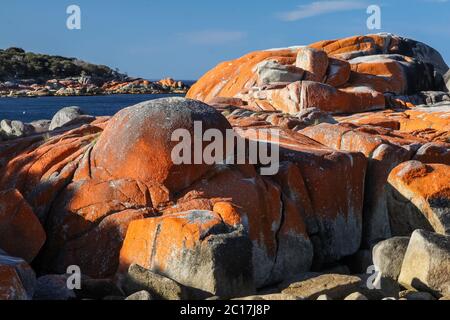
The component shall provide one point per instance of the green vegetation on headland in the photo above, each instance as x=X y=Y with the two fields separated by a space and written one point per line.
x=16 y=64
x=29 y=74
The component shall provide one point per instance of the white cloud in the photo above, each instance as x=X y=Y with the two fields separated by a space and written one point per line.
x=320 y=7
x=213 y=37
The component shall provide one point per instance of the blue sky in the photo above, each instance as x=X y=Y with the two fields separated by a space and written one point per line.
x=183 y=39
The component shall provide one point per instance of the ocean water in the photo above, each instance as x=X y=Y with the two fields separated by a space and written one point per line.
x=30 y=109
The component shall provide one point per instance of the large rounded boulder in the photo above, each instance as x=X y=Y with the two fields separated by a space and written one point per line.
x=138 y=143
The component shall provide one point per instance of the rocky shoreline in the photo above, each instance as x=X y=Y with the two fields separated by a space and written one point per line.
x=358 y=210
x=83 y=86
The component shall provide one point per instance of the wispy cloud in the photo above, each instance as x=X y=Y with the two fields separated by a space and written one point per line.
x=213 y=37
x=320 y=7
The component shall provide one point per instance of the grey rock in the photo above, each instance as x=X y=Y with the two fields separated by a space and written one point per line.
x=298 y=278
x=270 y=71
x=334 y=285
x=426 y=266
x=53 y=287
x=41 y=125
x=160 y=287
x=271 y=297
x=376 y=287
x=356 y=296
x=388 y=256
x=140 y=295
x=64 y=116
x=15 y=129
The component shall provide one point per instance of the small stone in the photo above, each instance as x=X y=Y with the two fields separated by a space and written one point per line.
x=334 y=285
x=271 y=297
x=356 y=296
x=324 y=297
x=140 y=295
x=161 y=288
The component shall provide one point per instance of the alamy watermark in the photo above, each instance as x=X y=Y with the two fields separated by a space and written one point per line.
x=73 y=21
x=214 y=147
x=374 y=20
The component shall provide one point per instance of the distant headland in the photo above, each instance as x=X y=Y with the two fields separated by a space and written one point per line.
x=27 y=74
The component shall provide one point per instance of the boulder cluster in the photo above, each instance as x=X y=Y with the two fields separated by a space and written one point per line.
x=85 y=86
x=359 y=208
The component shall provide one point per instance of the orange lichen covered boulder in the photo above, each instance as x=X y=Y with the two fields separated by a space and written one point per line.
x=384 y=150
x=338 y=72
x=231 y=77
x=336 y=215
x=314 y=62
x=137 y=143
x=348 y=75
x=382 y=43
x=420 y=197
x=88 y=222
x=47 y=164
x=21 y=233
x=306 y=94
x=195 y=248
x=237 y=194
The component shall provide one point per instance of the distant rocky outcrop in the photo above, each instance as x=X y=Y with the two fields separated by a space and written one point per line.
x=350 y=75
x=26 y=74
x=356 y=187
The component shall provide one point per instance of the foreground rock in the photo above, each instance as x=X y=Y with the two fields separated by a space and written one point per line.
x=138 y=279
x=426 y=265
x=18 y=221
x=340 y=76
x=333 y=285
x=194 y=248
x=420 y=197
x=108 y=194
x=388 y=256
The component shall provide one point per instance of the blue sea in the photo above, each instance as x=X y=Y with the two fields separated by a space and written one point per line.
x=30 y=109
